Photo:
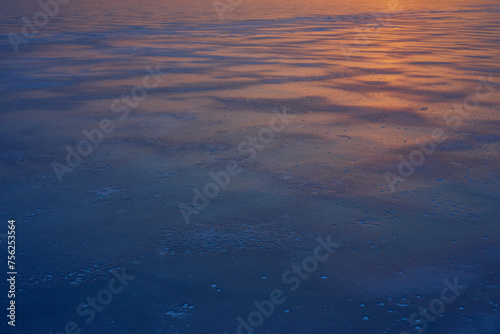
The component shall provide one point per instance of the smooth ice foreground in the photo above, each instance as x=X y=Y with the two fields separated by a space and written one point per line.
x=220 y=151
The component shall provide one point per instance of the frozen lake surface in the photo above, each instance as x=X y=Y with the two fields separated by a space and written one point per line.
x=203 y=149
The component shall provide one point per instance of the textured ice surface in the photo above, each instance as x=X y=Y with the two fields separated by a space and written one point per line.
x=322 y=175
